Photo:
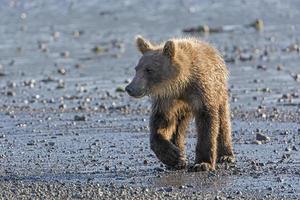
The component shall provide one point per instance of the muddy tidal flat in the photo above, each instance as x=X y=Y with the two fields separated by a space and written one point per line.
x=69 y=131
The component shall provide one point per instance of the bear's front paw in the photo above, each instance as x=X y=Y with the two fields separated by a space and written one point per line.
x=181 y=164
x=201 y=167
x=172 y=157
x=227 y=159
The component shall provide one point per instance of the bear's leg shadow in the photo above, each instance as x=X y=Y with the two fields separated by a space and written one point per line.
x=225 y=151
x=206 y=150
x=160 y=142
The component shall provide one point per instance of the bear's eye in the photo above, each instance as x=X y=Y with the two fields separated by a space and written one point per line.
x=149 y=70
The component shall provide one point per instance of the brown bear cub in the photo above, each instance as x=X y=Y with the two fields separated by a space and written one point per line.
x=185 y=78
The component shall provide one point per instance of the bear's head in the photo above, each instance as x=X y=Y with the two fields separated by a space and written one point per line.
x=157 y=70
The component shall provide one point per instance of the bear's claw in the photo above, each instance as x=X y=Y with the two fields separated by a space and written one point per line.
x=226 y=159
x=200 y=167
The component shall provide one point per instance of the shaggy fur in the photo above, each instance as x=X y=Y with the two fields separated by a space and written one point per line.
x=185 y=78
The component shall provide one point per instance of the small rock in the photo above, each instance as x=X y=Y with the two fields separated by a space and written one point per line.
x=245 y=57
x=2 y=136
x=51 y=143
x=286 y=156
x=43 y=47
x=182 y=187
x=262 y=67
x=279 y=180
x=79 y=118
x=294 y=148
x=168 y=189
x=279 y=67
x=76 y=33
x=266 y=90
x=61 y=84
x=11 y=84
x=62 y=71
x=10 y=93
x=219 y=198
x=62 y=106
x=65 y=54
x=98 y=49
x=288 y=149
x=261 y=137
x=31 y=143
x=120 y=89
x=78 y=65
x=297 y=77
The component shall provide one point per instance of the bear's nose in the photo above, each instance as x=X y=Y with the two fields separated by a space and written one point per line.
x=128 y=89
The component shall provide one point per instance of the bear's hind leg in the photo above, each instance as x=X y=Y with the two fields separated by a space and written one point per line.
x=225 y=151
x=206 y=150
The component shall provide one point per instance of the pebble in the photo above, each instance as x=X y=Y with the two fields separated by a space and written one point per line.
x=10 y=93
x=56 y=34
x=51 y=143
x=182 y=187
x=245 y=57
x=168 y=189
x=62 y=106
x=262 y=137
x=297 y=77
x=287 y=149
x=294 y=148
x=98 y=49
x=65 y=54
x=219 y=198
x=31 y=143
x=62 y=71
x=120 y=89
x=60 y=84
x=79 y=118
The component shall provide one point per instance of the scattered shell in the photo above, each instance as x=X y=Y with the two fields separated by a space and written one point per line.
x=23 y=16
x=258 y=24
x=56 y=34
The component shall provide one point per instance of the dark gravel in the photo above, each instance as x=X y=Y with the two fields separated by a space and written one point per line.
x=69 y=131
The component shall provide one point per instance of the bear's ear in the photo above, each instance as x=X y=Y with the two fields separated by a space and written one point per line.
x=142 y=44
x=169 y=49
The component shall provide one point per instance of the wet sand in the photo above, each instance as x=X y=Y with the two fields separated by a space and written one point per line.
x=67 y=129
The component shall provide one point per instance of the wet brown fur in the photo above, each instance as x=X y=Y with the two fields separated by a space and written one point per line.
x=193 y=85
